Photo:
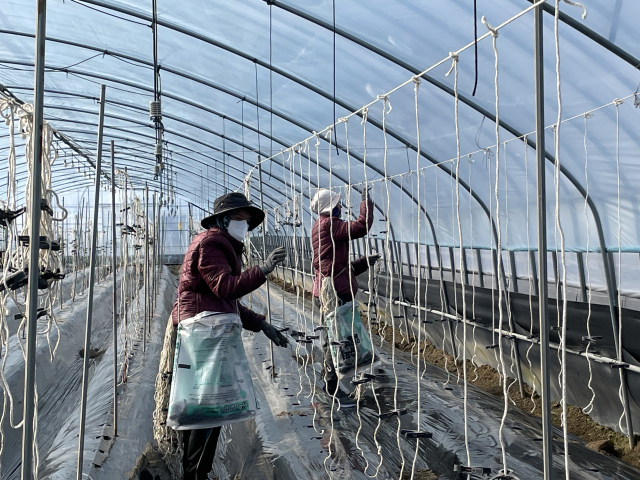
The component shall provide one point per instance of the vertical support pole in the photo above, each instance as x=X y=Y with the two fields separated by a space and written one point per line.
x=34 y=246
x=114 y=265
x=75 y=261
x=479 y=263
x=153 y=269
x=63 y=246
x=556 y=276
x=428 y=258
x=444 y=299
x=581 y=277
x=410 y=271
x=125 y=260
x=144 y=267
x=543 y=298
x=464 y=271
x=612 y=290
x=452 y=262
x=514 y=273
x=534 y=272
x=264 y=257
x=92 y=275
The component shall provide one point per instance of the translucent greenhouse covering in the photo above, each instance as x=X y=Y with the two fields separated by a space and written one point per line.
x=429 y=106
x=229 y=68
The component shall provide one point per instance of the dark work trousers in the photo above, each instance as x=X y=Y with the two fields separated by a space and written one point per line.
x=199 y=450
x=330 y=370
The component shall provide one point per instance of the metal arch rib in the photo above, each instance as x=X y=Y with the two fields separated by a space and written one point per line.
x=277 y=140
x=241 y=97
x=623 y=54
x=392 y=133
x=592 y=35
x=85 y=132
x=293 y=78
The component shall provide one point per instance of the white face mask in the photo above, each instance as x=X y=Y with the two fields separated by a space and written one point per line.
x=238 y=229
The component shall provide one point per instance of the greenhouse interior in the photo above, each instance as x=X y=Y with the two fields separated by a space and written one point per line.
x=329 y=239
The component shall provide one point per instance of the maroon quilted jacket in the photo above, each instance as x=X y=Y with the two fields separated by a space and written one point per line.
x=323 y=251
x=211 y=279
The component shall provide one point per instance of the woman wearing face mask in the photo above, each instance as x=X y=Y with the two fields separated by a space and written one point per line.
x=330 y=237
x=211 y=279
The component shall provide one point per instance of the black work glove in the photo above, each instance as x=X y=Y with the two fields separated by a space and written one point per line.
x=273 y=334
x=275 y=257
x=365 y=193
x=372 y=259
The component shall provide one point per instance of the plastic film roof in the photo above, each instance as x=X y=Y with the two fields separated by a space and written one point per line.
x=244 y=79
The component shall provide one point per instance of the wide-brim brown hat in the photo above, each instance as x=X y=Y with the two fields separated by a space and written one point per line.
x=233 y=201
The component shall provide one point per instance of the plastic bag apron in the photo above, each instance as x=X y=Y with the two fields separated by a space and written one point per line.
x=211 y=383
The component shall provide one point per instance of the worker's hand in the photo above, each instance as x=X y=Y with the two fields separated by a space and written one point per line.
x=372 y=259
x=276 y=257
x=273 y=334
x=365 y=193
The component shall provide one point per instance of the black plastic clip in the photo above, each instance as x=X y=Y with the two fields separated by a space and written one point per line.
x=492 y=347
x=41 y=313
x=474 y=470
x=360 y=381
x=51 y=275
x=14 y=281
x=285 y=329
x=312 y=337
x=372 y=376
x=620 y=365
x=303 y=340
x=426 y=321
x=416 y=434
x=554 y=328
x=392 y=413
x=44 y=206
x=321 y=327
x=592 y=338
x=338 y=344
x=295 y=333
x=8 y=216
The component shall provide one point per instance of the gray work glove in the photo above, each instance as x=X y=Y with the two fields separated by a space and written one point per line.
x=275 y=257
x=372 y=259
x=273 y=334
x=365 y=193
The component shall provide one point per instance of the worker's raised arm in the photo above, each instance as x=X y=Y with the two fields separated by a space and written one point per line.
x=343 y=231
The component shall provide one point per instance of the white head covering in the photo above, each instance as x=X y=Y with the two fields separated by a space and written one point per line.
x=324 y=201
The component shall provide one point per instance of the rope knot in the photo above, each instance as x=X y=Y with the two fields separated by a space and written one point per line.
x=343 y=119
x=416 y=79
x=384 y=98
x=365 y=114
x=494 y=31
x=618 y=102
x=454 y=62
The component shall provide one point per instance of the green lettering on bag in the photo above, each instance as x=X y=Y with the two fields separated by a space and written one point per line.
x=216 y=410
